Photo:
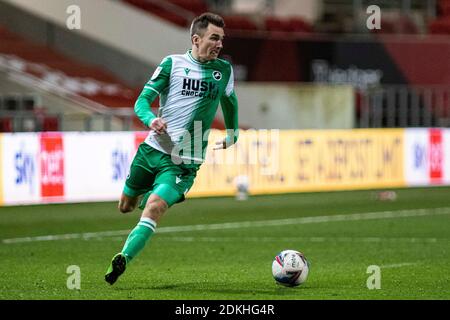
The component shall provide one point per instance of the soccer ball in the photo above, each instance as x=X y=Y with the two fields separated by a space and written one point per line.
x=290 y=268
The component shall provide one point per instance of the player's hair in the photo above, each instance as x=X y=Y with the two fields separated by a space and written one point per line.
x=200 y=23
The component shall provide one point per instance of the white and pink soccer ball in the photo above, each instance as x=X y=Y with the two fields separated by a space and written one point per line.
x=290 y=268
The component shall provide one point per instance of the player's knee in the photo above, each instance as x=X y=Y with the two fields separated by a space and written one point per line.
x=156 y=207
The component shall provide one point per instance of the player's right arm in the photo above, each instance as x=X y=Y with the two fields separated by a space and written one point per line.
x=157 y=83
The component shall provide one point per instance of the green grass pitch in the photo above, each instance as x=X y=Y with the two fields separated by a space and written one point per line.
x=190 y=259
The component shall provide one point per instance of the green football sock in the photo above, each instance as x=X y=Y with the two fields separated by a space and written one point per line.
x=138 y=237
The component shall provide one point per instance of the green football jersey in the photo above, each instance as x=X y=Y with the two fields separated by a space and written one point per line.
x=189 y=92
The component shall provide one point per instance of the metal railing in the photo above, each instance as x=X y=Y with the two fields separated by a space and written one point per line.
x=27 y=121
x=403 y=106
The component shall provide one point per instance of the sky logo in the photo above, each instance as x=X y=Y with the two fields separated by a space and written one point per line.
x=419 y=156
x=25 y=168
x=120 y=164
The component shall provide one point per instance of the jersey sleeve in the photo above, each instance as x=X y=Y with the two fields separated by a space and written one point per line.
x=157 y=83
x=161 y=76
x=230 y=85
x=229 y=103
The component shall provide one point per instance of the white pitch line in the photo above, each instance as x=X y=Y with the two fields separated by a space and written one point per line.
x=246 y=224
x=287 y=239
x=399 y=265
x=303 y=239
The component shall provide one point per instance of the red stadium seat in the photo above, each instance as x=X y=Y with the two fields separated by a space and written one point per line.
x=160 y=11
x=398 y=25
x=444 y=6
x=272 y=23
x=171 y=17
x=297 y=24
x=50 y=123
x=291 y=24
x=7 y=35
x=195 y=6
x=6 y=124
x=238 y=22
x=441 y=25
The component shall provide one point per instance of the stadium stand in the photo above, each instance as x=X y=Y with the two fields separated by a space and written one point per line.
x=46 y=64
x=441 y=25
x=296 y=43
x=171 y=11
x=291 y=24
x=397 y=24
x=181 y=12
x=195 y=6
x=24 y=112
x=240 y=22
x=51 y=67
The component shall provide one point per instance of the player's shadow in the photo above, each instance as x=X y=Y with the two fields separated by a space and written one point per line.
x=192 y=287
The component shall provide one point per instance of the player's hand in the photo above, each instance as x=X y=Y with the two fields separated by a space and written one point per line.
x=159 y=126
x=221 y=144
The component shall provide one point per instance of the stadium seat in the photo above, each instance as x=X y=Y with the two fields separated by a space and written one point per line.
x=441 y=25
x=195 y=6
x=273 y=23
x=399 y=25
x=239 y=22
x=160 y=11
x=6 y=35
x=6 y=124
x=11 y=103
x=444 y=7
x=297 y=24
x=50 y=123
x=171 y=17
x=291 y=24
x=28 y=103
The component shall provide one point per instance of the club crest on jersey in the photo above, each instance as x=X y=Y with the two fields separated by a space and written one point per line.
x=217 y=75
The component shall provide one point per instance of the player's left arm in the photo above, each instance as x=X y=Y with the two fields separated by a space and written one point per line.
x=229 y=103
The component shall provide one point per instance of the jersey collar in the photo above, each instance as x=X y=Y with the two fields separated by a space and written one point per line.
x=191 y=57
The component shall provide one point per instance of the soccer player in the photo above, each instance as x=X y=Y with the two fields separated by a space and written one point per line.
x=190 y=87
